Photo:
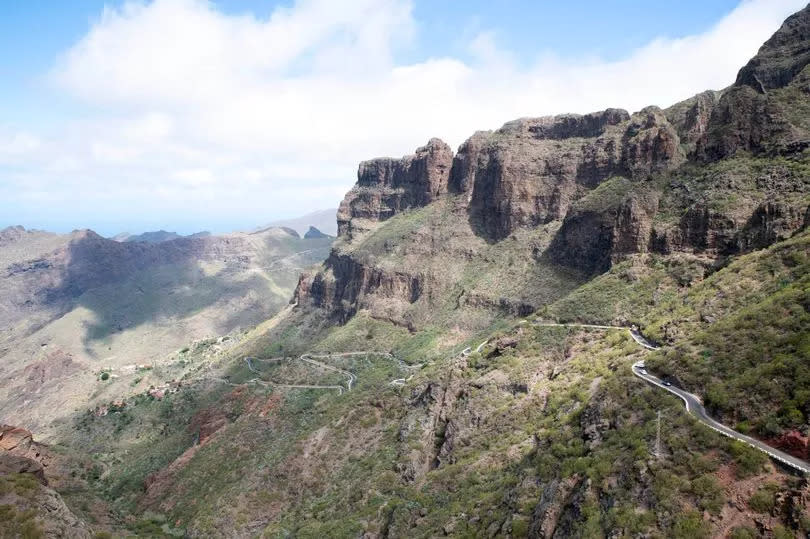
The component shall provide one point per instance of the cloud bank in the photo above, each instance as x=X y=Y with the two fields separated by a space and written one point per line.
x=194 y=116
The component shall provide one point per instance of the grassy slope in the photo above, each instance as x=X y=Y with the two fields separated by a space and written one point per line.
x=559 y=410
x=743 y=338
x=522 y=422
x=322 y=464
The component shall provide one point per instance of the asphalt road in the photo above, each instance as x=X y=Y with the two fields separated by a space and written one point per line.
x=693 y=404
x=695 y=407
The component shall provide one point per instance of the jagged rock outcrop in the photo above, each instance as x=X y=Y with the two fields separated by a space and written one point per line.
x=691 y=118
x=14 y=464
x=314 y=233
x=429 y=425
x=32 y=503
x=20 y=442
x=595 y=232
x=759 y=113
x=700 y=229
x=348 y=285
x=530 y=171
x=34 y=510
x=387 y=186
x=780 y=58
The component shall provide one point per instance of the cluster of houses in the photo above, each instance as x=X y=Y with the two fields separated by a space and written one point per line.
x=162 y=390
x=157 y=393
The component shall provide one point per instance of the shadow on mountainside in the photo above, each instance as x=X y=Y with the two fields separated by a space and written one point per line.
x=127 y=285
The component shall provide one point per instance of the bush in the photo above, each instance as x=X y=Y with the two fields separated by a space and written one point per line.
x=690 y=526
x=105 y=376
x=780 y=532
x=708 y=493
x=749 y=460
x=761 y=501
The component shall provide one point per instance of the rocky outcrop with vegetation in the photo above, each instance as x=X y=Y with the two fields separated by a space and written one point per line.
x=715 y=175
x=471 y=379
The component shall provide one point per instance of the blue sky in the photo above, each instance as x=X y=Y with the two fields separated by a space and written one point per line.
x=189 y=115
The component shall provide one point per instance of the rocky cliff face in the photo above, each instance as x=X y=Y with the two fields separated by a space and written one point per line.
x=530 y=171
x=388 y=186
x=606 y=184
x=31 y=505
x=765 y=111
x=349 y=285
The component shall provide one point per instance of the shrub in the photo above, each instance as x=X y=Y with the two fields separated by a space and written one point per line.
x=105 y=376
x=690 y=525
x=780 y=532
x=761 y=501
x=749 y=461
x=708 y=493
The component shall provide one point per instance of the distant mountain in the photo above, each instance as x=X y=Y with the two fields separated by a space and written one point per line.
x=75 y=303
x=158 y=236
x=323 y=220
x=314 y=233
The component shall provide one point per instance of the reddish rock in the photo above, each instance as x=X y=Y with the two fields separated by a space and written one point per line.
x=15 y=439
x=792 y=442
x=206 y=422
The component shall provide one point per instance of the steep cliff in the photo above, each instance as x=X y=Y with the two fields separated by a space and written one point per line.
x=717 y=174
x=530 y=171
x=387 y=186
x=766 y=110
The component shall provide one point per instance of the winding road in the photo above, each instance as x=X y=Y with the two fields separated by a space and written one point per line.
x=312 y=359
x=692 y=402
x=695 y=407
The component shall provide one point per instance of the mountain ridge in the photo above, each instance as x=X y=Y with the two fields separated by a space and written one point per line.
x=460 y=388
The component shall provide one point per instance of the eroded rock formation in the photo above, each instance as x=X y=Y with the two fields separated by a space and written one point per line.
x=387 y=186
x=606 y=184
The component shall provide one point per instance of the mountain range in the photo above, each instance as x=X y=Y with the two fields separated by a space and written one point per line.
x=486 y=350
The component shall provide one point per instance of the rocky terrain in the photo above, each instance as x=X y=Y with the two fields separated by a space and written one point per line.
x=451 y=394
x=713 y=176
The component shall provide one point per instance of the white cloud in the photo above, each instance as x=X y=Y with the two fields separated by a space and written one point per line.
x=195 y=104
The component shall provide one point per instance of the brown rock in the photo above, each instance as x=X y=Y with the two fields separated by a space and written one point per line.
x=531 y=170
x=387 y=186
x=754 y=115
x=15 y=439
x=14 y=464
x=590 y=239
x=780 y=58
x=691 y=118
x=347 y=285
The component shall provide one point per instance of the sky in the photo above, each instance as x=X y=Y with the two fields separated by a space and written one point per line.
x=191 y=115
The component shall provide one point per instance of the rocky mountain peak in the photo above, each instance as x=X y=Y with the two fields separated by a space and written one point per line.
x=314 y=233
x=780 y=58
